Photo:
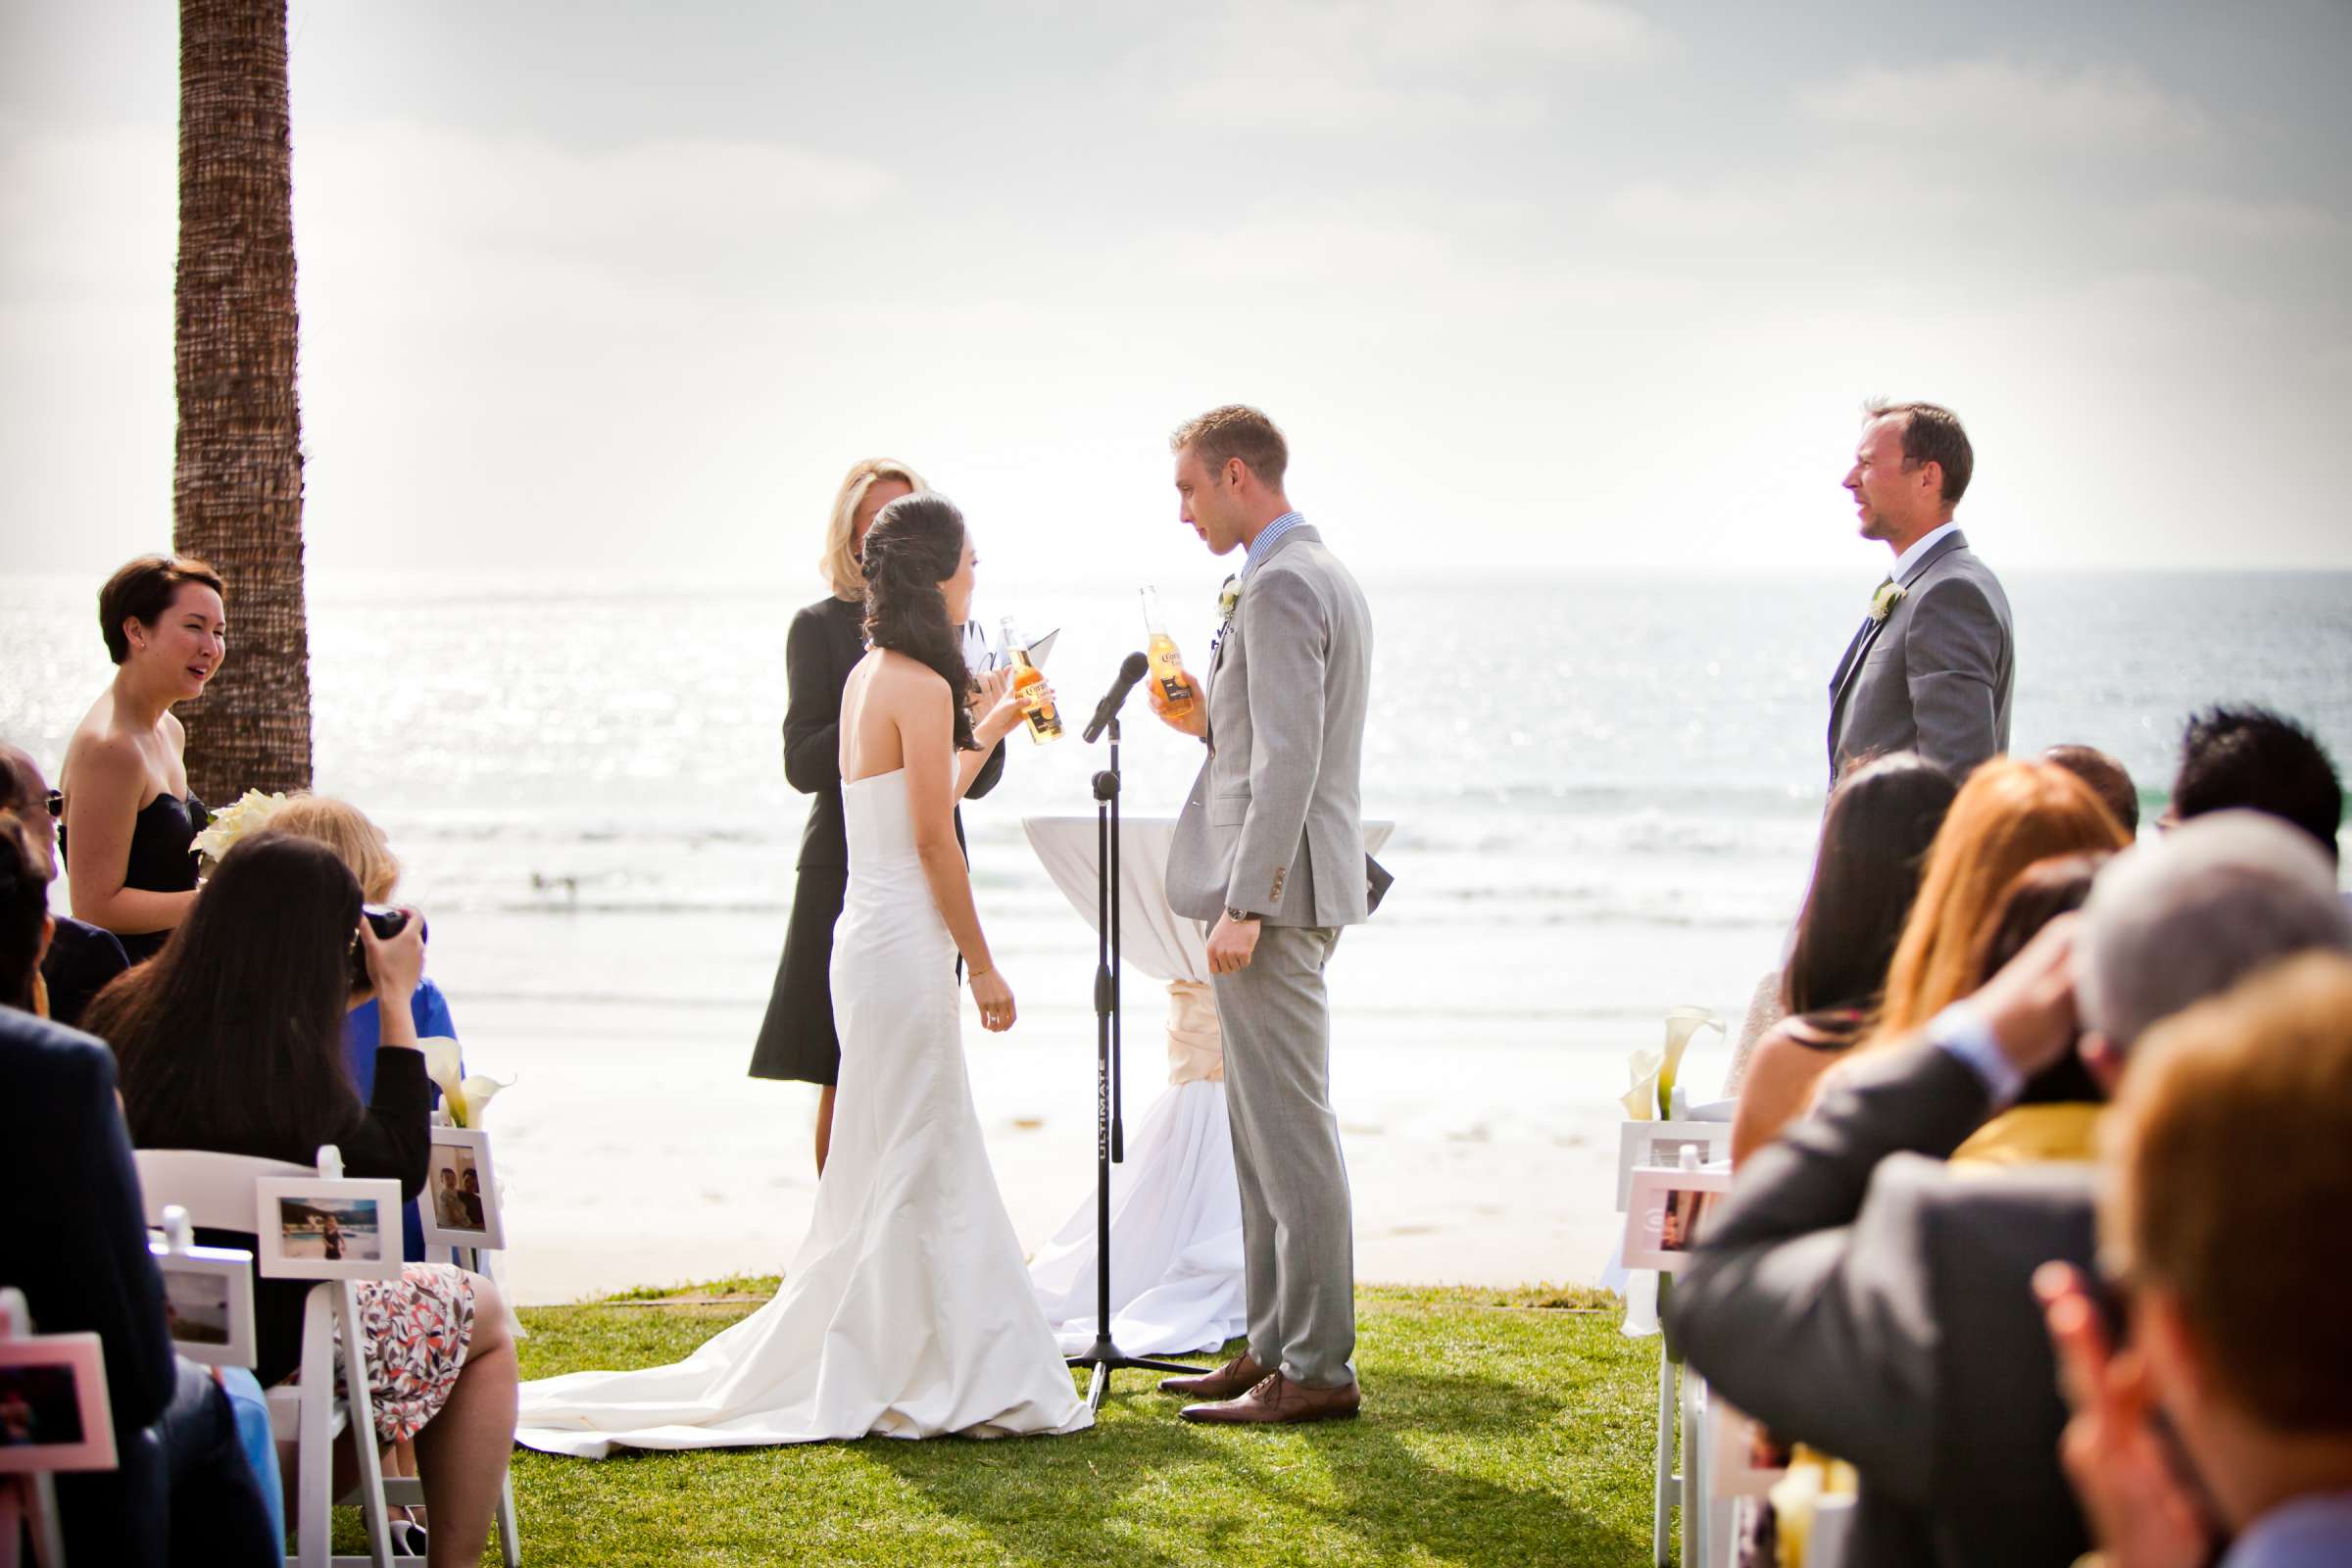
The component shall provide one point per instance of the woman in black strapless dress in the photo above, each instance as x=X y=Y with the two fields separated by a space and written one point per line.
x=129 y=815
x=825 y=642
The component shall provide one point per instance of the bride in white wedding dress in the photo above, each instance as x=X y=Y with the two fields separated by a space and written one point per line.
x=907 y=1312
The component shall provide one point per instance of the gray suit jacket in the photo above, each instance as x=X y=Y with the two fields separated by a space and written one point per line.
x=1859 y=1297
x=1933 y=677
x=1274 y=824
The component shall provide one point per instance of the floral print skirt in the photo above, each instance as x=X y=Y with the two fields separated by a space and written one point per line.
x=414 y=1331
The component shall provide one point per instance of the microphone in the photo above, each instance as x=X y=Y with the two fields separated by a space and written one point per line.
x=1131 y=669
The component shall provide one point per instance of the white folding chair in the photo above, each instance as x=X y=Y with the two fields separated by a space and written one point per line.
x=1683 y=1406
x=27 y=1498
x=218 y=1192
x=1831 y=1540
x=405 y=1492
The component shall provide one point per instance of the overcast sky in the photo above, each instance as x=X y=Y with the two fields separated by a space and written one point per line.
x=1564 y=285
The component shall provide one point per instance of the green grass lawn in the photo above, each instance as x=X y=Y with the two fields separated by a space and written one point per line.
x=1498 y=1427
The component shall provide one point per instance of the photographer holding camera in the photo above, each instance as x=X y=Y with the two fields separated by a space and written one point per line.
x=231 y=1039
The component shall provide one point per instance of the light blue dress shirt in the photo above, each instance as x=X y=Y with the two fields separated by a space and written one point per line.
x=2306 y=1532
x=1268 y=537
x=1961 y=1030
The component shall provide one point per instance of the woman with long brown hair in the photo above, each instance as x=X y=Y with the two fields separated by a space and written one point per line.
x=1883 y=818
x=231 y=1039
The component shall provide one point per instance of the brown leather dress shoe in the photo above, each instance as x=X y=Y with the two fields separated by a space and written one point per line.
x=1236 y=1377
x=1276 y=1401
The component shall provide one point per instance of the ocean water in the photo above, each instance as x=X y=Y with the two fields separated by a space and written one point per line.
x=1605 y=790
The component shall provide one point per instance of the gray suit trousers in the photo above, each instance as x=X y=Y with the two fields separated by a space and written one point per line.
x=1297 y=1230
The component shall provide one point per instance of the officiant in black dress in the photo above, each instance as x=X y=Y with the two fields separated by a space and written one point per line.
x=797 y=1040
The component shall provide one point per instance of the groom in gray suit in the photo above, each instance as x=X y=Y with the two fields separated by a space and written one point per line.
x=1269 y=853
x=1929 y=671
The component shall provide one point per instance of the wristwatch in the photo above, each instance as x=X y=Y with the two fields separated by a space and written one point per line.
x=1238 y=916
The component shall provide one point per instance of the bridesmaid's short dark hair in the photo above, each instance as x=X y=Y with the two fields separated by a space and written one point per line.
x=142 y=591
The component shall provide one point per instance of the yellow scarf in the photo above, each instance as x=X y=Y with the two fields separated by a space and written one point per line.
x=2033 y=1134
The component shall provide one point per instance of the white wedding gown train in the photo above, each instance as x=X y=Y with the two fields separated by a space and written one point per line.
x=907 y=1312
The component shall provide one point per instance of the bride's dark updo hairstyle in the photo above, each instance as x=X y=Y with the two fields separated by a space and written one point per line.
x=914 y=545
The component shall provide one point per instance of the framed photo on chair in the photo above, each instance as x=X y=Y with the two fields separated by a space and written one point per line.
x=1745 y=1459
x=459 y=1203
x=321 y=1228
x=53 y=1410
x=1667 y=1213
x=1661 y=1143
x=207 y=1303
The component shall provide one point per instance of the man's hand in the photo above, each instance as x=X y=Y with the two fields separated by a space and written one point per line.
x=2030 y=1006
x=1231 y=942
x=2140 y=1514
x=1194 y=722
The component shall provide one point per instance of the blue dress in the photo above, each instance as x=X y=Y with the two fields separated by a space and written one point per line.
x=363 y=1033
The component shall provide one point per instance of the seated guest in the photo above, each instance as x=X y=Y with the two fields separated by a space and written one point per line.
x=181 y=1490
x=2233 y=1132
x=2108 y=779
x=2253 y=760
x=129 y=814
x=1873 y=1303
x=2008 y=816
x=2058 y=1107
x=79 y=959
x=347 y=830
x=1873 y=839
x=231 y=1040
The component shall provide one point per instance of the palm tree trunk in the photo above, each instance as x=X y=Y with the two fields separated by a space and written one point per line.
x=236 y=490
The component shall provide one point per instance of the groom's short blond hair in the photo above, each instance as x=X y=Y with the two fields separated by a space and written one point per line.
x=1236 y=431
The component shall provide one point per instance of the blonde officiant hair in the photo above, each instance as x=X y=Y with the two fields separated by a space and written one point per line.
x=839 y=562
x=348 y=831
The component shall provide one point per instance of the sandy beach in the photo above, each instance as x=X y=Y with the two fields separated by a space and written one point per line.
x=680 y=1169
x=635 y=1151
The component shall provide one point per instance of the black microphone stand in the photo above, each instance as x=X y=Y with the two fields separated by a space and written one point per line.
x=1110 y=1135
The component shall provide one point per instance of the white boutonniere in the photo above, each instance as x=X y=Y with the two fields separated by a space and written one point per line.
x=1882 y=603
x=1229 y=599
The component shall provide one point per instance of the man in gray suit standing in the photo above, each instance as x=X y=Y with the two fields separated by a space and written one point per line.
x=1929 y=671
x=1269 y=853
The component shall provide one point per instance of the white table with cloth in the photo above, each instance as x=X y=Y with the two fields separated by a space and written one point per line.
x=1175 y=1202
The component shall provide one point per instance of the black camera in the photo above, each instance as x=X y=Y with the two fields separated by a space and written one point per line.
x=387 y=924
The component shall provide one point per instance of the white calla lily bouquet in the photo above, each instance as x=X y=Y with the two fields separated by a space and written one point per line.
x=465 y=1096
x=231 y=824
